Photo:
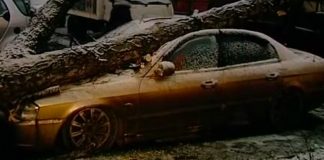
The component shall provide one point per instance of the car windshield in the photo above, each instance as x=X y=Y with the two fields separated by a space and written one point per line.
x=22 y=6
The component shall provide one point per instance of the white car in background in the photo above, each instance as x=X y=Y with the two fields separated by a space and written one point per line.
x=14 y=17
x=37 y=4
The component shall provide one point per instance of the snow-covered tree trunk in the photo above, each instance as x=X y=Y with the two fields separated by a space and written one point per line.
x=24 y=71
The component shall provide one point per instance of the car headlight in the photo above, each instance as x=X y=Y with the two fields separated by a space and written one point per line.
x=30 y=112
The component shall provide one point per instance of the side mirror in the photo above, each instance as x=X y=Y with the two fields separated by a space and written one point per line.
x=165 y=68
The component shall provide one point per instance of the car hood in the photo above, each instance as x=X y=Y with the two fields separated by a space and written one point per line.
x=110 y=85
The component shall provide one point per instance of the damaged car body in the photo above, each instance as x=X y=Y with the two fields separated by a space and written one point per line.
x=192 y=84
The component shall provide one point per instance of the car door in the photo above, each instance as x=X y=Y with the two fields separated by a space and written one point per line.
x=251 y=75
x=182 y=102
x=4 y=18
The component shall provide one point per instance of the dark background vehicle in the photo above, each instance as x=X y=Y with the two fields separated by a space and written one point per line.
x=297 y=24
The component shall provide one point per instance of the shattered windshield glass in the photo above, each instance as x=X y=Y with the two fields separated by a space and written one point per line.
x=238 y=49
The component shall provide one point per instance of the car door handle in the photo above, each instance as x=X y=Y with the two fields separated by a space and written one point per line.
x=272 y=76
x=209 y=84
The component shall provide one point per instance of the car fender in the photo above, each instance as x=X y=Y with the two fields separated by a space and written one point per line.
x=81 y=105
x=87 y=104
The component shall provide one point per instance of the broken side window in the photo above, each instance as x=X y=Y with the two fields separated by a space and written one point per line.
x=239 y=49
x=197 y=53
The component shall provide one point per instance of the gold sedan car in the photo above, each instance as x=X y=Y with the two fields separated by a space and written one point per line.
x=192 y=84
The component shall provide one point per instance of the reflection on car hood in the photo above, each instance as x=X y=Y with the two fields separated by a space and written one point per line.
x=109 y=85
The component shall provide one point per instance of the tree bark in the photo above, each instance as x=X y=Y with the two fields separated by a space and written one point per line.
x=23 y=70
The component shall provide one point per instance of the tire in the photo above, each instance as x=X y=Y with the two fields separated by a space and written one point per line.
x=90 y=129
x=288 y=111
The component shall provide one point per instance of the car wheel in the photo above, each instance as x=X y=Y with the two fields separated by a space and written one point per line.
x=287 y=112
x=90 y=129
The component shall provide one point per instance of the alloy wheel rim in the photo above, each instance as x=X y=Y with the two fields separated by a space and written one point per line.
x=90 y=128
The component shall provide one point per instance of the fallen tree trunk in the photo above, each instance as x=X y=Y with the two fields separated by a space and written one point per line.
x=23 y=71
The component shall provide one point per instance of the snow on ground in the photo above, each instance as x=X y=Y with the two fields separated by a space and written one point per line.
x=301 y=144
x=305 y=143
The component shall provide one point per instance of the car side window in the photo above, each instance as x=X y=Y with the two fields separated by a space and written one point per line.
x=197 y=53
x=3 y=8
x=239 y=49
x=22 y=6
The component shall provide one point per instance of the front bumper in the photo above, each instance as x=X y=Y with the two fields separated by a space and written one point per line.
x=38 y=134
